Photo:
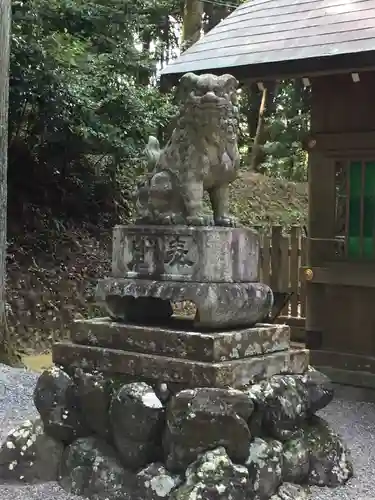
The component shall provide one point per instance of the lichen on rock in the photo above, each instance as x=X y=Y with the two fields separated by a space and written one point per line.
x=262 y=443
x=204 y=419
x=94 y=392
x=290 y=491
x=91 y=468
x=330 y=461
x=265 y=463
x=28 y=455
x=56 y=400
x=282 y=403
x=137 y=419
x=296 y=460
x=155 y=482
x=319 y=390
x=214 y=476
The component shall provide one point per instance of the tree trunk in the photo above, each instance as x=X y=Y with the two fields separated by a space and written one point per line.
x=266 y=108
x=144 y=74
x=256 y=156
x=193 y=20
x=251 y=111
x=6 y=351
x=214 y=14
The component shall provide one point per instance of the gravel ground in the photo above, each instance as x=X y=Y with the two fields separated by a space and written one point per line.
x=352 y=414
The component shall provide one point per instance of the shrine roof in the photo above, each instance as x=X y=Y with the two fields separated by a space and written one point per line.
x=270 y=38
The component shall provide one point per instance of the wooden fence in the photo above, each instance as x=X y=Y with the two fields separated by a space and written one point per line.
x=281 y=257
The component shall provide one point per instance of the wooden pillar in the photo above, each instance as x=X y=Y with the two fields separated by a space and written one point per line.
x=321 y=224
x=5 y=17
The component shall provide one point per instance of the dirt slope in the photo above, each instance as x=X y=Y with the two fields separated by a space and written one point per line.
x=260 y=200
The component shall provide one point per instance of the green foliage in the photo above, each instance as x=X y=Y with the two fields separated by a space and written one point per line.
x=84 y=98
x=79 y=115
x=286 y=125
x=286 y=129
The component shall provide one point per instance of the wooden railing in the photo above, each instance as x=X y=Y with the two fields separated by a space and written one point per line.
x=281 y=257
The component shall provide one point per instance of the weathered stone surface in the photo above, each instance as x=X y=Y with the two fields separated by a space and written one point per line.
x=235 y=373
x=299 y=360
x=182 y=253
x=215 y=477
x=136 y=454
x=330 y=462
x=91 y=468
x=211 y=400
x=264 y=463
x=296 y=460
x=320 y=390
x=137 y=418
x=203 y=419
x=255 y=341
x=219 y=305
x=249 y=371
x=28 y=455
x=56 y=401
x=155 y=482
x=137 y=411
x=282 y=403
x=290 y=491
x=94 y=392
x=181 y=340
x=255 y=422
x=201 y=154
x=199 y=433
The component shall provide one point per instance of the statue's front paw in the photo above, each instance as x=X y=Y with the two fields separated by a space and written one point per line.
x=199 y=220
x=144 y=220
x=170 y=219
x=226 y=221
x=165 y=219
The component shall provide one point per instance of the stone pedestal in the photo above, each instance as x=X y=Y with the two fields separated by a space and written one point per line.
x=219 y=305
x=215 y=268
x=188 y=254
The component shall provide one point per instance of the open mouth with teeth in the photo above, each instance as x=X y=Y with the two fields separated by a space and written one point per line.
x=209 y=99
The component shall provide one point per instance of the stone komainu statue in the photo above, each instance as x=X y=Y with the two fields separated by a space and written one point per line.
x=202 y=154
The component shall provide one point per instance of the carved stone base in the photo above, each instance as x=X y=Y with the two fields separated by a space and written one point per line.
x=182 y=253
x=219 y=305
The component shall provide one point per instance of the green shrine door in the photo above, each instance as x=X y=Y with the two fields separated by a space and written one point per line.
x=360 y=210
x=340 y=278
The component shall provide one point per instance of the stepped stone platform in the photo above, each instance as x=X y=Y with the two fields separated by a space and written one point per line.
x=234 y=358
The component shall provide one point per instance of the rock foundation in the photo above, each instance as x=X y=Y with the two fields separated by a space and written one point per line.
x=135 y=434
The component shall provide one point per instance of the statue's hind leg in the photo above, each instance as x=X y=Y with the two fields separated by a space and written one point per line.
x=193 y=200
x=219 y=197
